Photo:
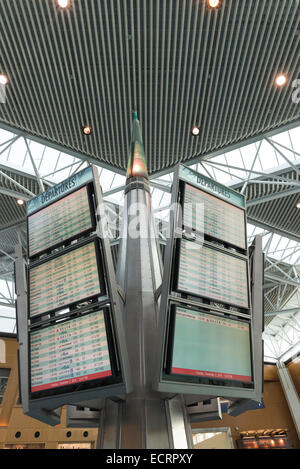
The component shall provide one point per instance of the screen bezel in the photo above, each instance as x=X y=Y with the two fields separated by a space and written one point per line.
x=101 y=269
x=175 y=274
x=116 y=376
x=181 y=194
x=191 y=379
x=90 y=191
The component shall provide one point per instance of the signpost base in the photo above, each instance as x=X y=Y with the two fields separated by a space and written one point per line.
x=137 y=423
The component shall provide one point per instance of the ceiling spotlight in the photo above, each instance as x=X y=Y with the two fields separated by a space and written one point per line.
x=3 y=79
x=280 y=80
x=214 y=3
x=87 y=130
x=63 y=3
x=298 y=205
x=20 y=202
x=195 y=131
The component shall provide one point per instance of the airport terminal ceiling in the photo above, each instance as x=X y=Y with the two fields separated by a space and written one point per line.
x=181 y=65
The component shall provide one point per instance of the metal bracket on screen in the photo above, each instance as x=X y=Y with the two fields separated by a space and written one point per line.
x=157 y=293
x=206 y=410
x=239 y=406
x=192 y=236
x=82 y=417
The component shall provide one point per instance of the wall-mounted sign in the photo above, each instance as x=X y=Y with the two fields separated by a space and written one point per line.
x=60 y=221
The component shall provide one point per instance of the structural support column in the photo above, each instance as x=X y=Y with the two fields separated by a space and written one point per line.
x=145 y=419
x=291 y=394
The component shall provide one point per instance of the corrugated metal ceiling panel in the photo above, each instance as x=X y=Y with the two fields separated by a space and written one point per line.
x=177 y=62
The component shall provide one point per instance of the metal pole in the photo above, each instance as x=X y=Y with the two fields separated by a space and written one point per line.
x=145 y=419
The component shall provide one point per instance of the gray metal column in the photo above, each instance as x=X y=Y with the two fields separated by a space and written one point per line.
x=145 y=420
x=291 y=394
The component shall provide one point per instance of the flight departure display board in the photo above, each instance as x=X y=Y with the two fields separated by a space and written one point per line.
x=69 y=353
x=212 y=274
x=210 y=215
x=64 y=280
x=210 y=346
x=59 y=222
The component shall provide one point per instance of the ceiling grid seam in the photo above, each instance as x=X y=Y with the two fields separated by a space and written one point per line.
x=247 y=59
x=161 y=89
x=171 y=130
x=53 y=85
x=240 y=49
x=284 y=64
x=260 y=60
x=32 y=45
x=266 y=89
x=211 y=27
x=233 y=46
x=183 y=130
x=103 y=128
x=214 y=82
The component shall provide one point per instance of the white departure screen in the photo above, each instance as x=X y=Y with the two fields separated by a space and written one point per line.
x=209 y=346
x=64 y=280
x=213 y=216
x=71 y=352
x=213 y=274
x=59 y=221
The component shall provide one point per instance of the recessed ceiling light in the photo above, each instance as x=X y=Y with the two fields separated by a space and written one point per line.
x=214 y=3
x=195 y=131
x=3 y=79
x=20 y=202
x=298 y=205
x=280 y=80
x=63 y=3
x=87 y=129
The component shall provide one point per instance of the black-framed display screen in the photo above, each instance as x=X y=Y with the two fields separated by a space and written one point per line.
x=208 y=346
x=77 y=353
x=68 y=278
x=62 y=220
x=212 y=216
x=211 y=273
